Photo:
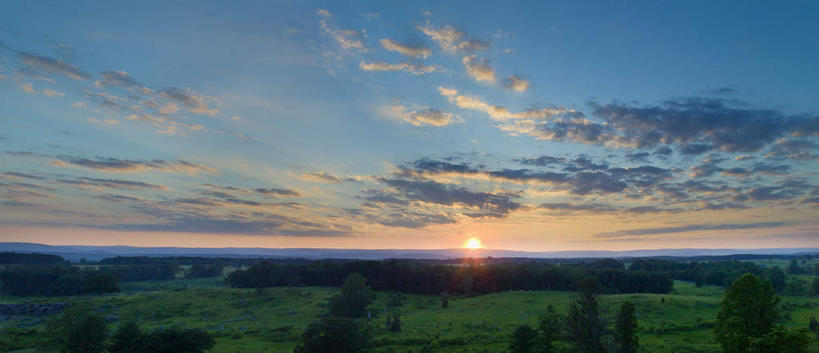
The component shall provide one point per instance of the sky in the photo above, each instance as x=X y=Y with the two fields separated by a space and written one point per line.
x=532 y=125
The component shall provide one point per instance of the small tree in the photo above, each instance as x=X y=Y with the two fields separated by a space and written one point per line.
x=128 y=338
x=793 y=268
x=394 y=322
x=396 y=299
x=87 y=336
x=333 y=334
x=625 y=335
x=523 y=340
x=354 y=298
x=584 y=323
x=549 y=330
x=444 y=300
x=815 y=285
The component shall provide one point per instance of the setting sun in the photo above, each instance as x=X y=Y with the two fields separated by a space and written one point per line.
x=473 y=243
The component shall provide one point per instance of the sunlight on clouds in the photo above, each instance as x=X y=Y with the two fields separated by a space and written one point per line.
x=479 y=69
x=420 y=117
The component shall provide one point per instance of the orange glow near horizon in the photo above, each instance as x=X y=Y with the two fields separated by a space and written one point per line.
x=473 y=243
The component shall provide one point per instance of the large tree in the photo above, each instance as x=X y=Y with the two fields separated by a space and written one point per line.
x=625 y=329
x=584 y=322
x=746 y=320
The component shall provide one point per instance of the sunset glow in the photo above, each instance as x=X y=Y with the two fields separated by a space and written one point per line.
x=473 y=243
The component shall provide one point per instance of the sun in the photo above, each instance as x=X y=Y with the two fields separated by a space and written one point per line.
x=473 y=243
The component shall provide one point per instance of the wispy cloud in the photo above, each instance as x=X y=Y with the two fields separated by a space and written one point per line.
x=414 y=51
x=415 y=69
x=107 y=164
x=421 y=117
x=689 y=228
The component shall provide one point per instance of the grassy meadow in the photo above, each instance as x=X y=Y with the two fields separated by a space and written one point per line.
x=244 y=320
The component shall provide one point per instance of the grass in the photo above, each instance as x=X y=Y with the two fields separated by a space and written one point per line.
x=245 y=321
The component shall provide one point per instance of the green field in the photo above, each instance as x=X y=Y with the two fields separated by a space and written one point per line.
x=243 y=320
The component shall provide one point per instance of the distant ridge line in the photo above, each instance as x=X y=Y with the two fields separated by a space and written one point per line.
x=76 y=252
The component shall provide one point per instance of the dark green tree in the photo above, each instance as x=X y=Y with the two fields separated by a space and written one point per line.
x=747 y=313
x=333 y=334
x=394 y=322
x=814 y=325
x=780 y=341
x=550 y=330
x=101 y=282
x=585 y=325
x=128 y=338
x=777 y=278
x=625 y=329
x=444 y=300
x=354 y=298
x=794 y=268
x=87 y=336
x=523 y=340
x=815 y=285
x=396 y=299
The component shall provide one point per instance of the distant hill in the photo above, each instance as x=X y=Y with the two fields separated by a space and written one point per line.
x=75 y=253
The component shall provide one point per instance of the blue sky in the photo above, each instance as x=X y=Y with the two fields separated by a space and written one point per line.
x=533 y=125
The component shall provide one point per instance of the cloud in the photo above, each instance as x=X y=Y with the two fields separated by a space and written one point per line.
x=479 y=69
x=480 y=204
x=348 y=39
x=323 y=13
x=321 y=177
x=28 y=88
x=689 y=228
x=415 y=51
x=452 y=40
x=698 y=124
x=278 y=192
x=53 y=66
x=424 y=116
x=107 y=164
x=195 y=102
x=53 y=93
x=498 y=112
x=20 y=175
x=517 y=84
x=110 y=183
x=415 y=69
x=793 y=149
x=109 y=121
x=542 y=161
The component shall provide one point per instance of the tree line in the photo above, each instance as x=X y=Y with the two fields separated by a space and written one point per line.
x=468 y=278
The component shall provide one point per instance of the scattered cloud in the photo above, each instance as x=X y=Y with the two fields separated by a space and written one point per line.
x=321 y=177
x=415 y=69
x=421 y=117
x=53 y=66
x=479 y=69
x=452 y=40
x=414 y=51
x=517 y=84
